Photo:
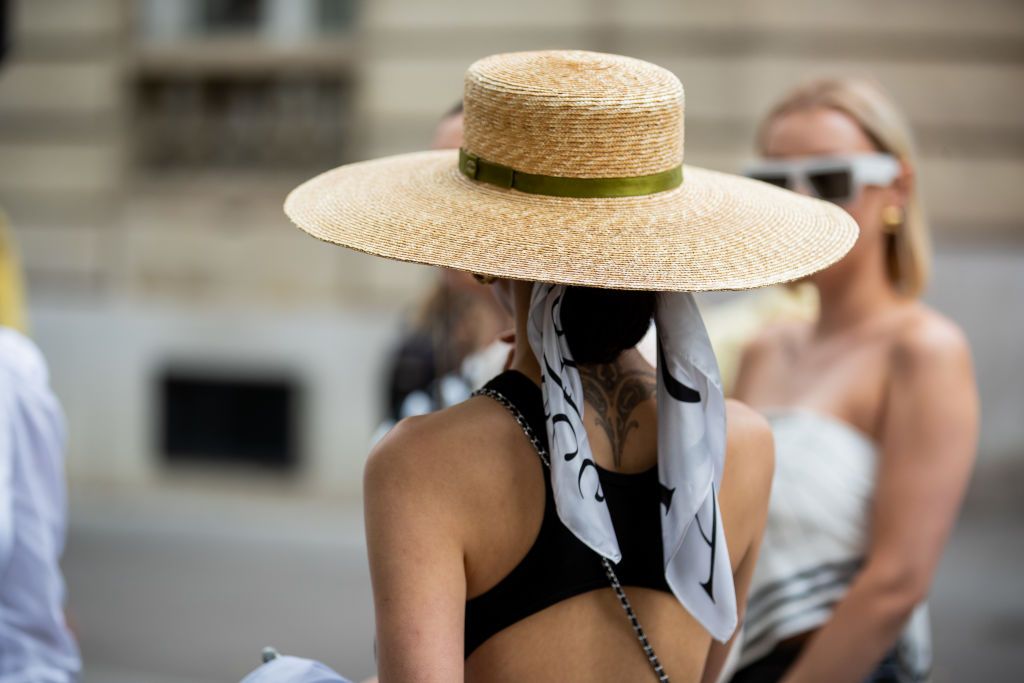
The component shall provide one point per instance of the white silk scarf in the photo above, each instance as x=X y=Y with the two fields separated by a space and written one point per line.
x=691 y=452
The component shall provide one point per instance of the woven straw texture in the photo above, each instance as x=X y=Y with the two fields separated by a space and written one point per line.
x=574 y=114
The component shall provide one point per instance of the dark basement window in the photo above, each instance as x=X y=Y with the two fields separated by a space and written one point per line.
x=223 y=420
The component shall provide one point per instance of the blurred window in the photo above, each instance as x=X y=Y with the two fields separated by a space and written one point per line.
x=336 y=15
x=295 y=19
x=225 y=420
x=244 y=121
x=219 y=16
x=261 y=85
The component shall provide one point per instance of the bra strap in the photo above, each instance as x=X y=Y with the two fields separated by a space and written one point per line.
x=524 y=424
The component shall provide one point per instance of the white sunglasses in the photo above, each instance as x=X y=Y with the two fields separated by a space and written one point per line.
x=838 y=179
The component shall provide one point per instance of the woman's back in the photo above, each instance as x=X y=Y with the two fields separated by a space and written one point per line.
x=554 y=587
x=537 y=603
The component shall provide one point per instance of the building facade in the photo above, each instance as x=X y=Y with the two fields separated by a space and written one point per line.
x=146 y=147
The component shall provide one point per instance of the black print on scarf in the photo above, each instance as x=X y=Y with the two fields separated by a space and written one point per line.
x=674 y=387
x=709 y=585
x=666 y=496
x=549 y=373
x=685 y=394
x=562 y=417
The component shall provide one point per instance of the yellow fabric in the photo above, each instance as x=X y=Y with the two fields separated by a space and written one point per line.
x=12 y=297
x=734 y=324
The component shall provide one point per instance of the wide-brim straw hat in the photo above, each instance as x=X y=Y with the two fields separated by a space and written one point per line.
x=570 y=173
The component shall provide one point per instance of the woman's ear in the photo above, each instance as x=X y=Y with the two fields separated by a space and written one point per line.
x=903 y=185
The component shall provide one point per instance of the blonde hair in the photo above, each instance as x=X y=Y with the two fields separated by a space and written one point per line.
x=908 y=251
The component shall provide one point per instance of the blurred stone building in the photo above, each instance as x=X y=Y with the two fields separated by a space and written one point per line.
x=146 y=147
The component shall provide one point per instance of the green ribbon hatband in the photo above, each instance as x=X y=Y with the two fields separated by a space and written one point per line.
x=561 y=186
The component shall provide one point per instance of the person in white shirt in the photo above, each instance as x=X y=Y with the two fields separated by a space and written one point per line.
x=36 y=645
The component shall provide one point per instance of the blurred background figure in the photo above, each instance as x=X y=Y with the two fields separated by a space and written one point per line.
x=452 y=347
x=215 y=438
x=35 y=641
x=874 y=409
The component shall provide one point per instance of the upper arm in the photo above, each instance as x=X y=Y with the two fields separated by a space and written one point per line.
x=743 y=498
x=928 y=443
x=746 y=481
x=415 y=547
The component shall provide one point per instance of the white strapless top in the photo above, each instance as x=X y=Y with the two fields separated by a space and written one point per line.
x=817 y=536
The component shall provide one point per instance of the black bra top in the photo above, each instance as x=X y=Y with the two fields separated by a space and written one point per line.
x=559 y=566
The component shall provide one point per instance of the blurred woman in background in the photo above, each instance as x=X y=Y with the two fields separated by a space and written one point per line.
x=873 y=407
x=452 y=345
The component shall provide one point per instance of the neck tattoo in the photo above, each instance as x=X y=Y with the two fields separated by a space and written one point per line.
x=614 y=392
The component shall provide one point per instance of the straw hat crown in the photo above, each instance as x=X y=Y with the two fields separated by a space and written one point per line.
x=574 y=114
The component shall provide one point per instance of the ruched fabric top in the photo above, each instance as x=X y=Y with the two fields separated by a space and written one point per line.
x=559 y=566
x=817 y=537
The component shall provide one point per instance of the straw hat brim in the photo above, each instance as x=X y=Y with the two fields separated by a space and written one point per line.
x=716 y=231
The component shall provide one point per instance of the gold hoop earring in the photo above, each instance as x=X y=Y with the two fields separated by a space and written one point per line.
x=893 y=218
x=485 y=279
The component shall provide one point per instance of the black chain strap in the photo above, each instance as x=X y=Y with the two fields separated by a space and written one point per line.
x=641 y=636
x=609 y=571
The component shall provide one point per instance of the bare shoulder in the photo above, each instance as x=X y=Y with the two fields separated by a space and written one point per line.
x=768 y=354
x=779 y=337
x=448 y=453
x=925 y=338
x=750 y=450
x=932 y=407
x=772 y=348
